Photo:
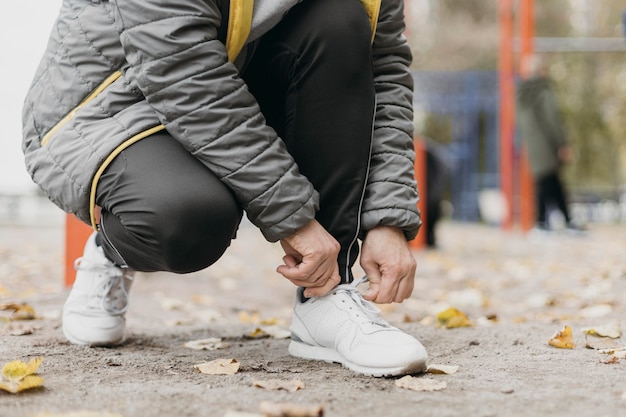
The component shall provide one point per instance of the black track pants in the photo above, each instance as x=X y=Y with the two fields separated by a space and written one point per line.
x=312 y=77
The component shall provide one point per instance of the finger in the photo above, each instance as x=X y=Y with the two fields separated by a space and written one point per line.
x=374 y=286
x=331 y=283
x=290 y=261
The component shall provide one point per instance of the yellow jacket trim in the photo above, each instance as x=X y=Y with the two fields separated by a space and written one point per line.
x=372 y=7
x=107 y=162
x=239 y=24
x=107 y=82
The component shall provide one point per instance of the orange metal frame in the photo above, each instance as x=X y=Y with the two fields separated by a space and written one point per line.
x=506 y=67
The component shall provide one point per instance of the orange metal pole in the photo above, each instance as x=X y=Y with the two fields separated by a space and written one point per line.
x=507 y=100
x=527 y=192
x=420 y=175
x=76 y=234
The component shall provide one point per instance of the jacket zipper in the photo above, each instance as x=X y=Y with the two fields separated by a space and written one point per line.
x=107 y=82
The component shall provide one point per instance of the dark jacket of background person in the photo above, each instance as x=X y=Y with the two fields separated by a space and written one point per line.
x=540 y=125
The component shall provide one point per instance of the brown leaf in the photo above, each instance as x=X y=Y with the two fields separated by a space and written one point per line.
x=442 y=369
x=278 y=384
x=212 y=343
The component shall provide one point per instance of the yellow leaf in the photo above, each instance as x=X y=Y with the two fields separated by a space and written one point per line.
x=451 y=318
x=219 y=367
x=562 y=339
x=17 y=370
x=18 y=376
x=20 y=311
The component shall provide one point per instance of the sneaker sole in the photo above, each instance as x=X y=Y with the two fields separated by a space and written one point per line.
x=80 y=342
x=319 y=353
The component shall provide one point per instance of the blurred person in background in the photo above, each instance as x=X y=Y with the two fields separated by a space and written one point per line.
x=543 y=133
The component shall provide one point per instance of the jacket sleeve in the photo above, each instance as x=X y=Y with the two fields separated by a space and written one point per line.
x=391 y=193
x=181 y=67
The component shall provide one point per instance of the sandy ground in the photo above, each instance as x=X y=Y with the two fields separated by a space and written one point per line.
x=517 y=290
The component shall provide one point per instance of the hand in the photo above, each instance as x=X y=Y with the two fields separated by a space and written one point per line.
x=389 y=264
x=566 y=154
x=310 y=260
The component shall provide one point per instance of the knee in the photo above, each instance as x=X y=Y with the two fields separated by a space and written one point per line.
x=195 y=237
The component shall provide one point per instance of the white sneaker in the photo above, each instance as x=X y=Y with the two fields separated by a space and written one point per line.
x=345 y=328
x=93 y=313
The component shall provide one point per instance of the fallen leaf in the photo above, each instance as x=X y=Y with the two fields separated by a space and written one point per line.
x=442 y=369
x=278 y=384
x=420 y=384
x=601 y=343
x=451 y=318
x=276 y=332
x=20 y=311
x=611 y=361
x=612 y=330
x=562 y=339
x=270 y=409
x=212 y=343
x=19 y=376
x=219 y=367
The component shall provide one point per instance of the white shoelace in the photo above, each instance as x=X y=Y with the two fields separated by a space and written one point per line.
x=372 y=313
x=111 y=294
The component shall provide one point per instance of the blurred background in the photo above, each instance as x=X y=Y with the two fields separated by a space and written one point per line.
x=457 y=48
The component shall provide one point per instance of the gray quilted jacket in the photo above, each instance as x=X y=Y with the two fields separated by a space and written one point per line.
x=116 y=71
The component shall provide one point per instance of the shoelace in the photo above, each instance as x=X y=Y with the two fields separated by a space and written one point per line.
x=111 y=281
x=372 y=313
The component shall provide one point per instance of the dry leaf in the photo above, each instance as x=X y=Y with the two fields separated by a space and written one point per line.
x=612 y=330
x=452 y=318
x=278 y=384
x=442 y=369
x=212 y=343
x=19 y=376
x=270 y=409
x=219 y=367
x=562 y=339
x=601 y=343
x=276 y=332
x=420 y=384
x=20 y=311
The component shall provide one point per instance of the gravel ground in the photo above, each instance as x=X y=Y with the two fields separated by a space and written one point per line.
x=517 y=291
